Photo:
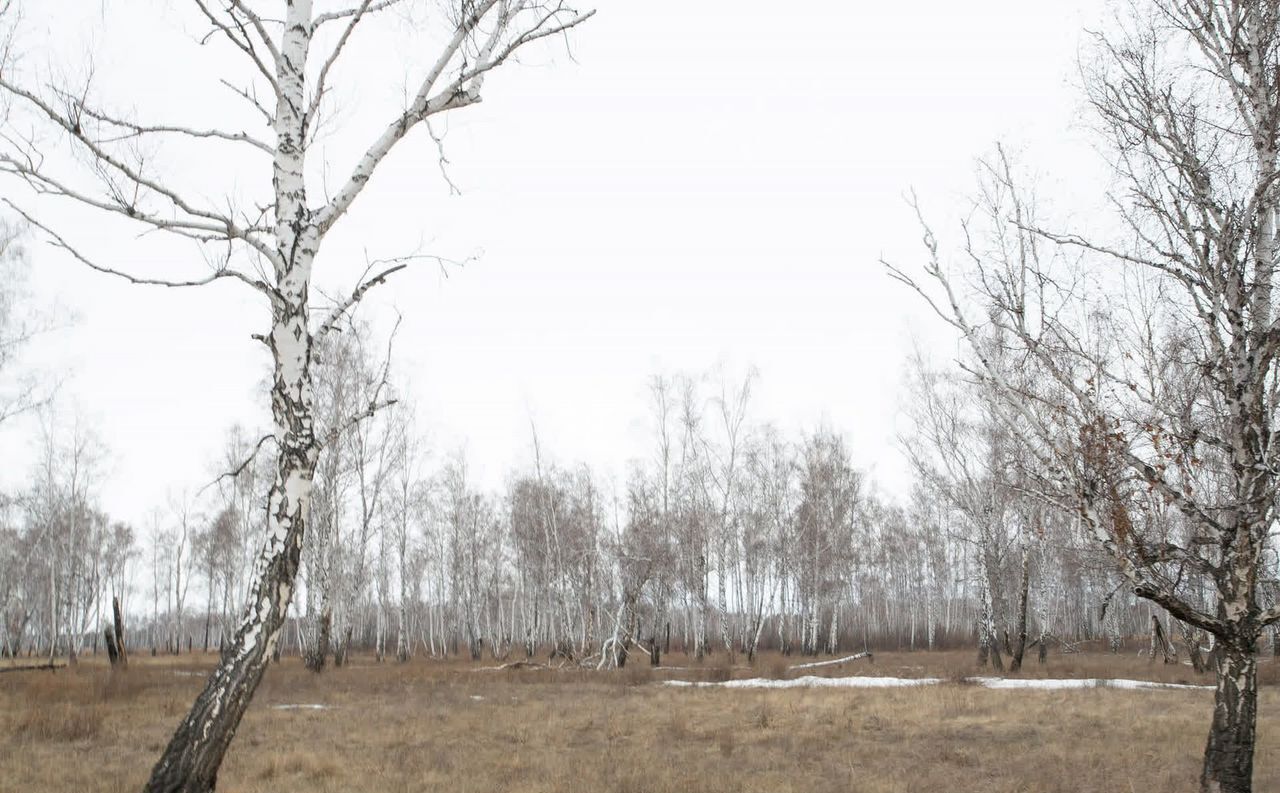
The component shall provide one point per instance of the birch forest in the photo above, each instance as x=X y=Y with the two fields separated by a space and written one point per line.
x=1025 y=447
x=730 y=538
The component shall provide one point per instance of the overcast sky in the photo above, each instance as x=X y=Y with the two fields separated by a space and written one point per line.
x=702 y=184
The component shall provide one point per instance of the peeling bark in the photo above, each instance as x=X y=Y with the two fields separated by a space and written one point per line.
x=1228 y=755
x=190 y=762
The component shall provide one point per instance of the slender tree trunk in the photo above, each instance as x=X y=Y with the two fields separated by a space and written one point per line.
x=1020 y=641
x=988 y=644
x=1191 y=637
x=402 y=631
x=118 y=631
x=833 y=640
x=191 y=760
x=402 y=610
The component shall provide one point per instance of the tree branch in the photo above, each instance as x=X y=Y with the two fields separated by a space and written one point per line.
x=239 y=469
x=58 y=242
x=356 y=295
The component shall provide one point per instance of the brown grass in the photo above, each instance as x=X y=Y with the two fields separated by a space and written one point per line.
x=434 y=725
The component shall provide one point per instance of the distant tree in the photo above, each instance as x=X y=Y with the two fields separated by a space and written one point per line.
x=959 y=447
x=407 y=501
x=215 y=547
x=826 y=519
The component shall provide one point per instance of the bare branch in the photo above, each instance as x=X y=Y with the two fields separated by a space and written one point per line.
x=58 y=242
x=462 y=91
x=135 y=129
x=356 y=295
x=365 y=8
x=239 y=469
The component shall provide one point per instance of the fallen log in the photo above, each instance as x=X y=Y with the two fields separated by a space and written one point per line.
x=835 y=662
x=512 y=665
x=51 y=666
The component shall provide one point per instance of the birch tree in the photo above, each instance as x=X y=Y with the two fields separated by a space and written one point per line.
x=294 y=52
x=408 y=500
x=825 y=517
x=1173 y=392
x=962 y=450
x=771 y=482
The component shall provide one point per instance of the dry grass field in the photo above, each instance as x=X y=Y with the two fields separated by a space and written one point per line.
x=429 y=726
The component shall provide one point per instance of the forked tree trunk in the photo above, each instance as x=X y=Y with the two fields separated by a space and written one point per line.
x=996 y=662
x=1161 y=642
x=340 y=652
x=1228 y=756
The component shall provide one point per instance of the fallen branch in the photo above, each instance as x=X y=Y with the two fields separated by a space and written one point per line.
x=512 y=665
x=51 y=666
x=836 y=662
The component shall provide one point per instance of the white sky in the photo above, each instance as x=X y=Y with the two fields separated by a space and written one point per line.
x=703 y=183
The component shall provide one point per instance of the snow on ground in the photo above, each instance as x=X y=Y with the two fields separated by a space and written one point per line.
x=1088 y=682
x=812 y=681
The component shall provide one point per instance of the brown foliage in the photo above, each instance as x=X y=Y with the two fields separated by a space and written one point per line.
x=1102 y=446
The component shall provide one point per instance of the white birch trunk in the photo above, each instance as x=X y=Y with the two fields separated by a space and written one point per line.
x=191 y=760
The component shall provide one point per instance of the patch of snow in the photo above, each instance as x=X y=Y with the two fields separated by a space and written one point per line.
x=302 y=707
x=812 y=681
x=1150 y=684
x=1088 y=682
x=477 y=697
x=1046 y=684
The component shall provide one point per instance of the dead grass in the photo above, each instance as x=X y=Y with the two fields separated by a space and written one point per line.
x=61 y=723
x=434 y=725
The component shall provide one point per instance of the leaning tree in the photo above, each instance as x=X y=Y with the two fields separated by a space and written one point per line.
x=270 y=245
x=1156 y=355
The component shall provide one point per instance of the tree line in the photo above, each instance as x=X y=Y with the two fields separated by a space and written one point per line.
x=727 y=536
